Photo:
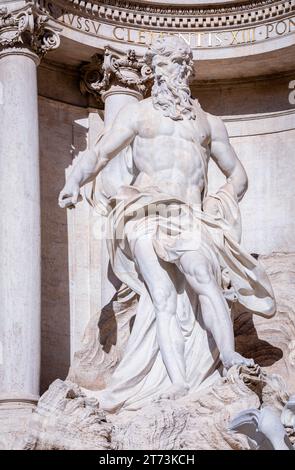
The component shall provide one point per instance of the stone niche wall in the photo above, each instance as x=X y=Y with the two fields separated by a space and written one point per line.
x=261 y=124
x=63 y=118
x=265 y=146
x=55 y=121
x=267 y=94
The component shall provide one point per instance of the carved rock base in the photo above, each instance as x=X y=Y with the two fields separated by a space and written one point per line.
x=66 y=419
x=15 y=418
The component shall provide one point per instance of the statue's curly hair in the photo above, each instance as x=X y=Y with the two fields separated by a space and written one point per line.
x=169 y=46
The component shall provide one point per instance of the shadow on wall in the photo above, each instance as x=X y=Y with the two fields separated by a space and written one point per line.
x=56 y=141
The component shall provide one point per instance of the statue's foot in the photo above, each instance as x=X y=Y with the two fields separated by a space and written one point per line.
x=233 y=358
x=174 y=392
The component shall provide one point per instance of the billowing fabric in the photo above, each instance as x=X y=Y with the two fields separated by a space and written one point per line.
x=175 y=227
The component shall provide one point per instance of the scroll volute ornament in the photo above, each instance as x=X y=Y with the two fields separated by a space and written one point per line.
x=113 y=69
x=27 y=27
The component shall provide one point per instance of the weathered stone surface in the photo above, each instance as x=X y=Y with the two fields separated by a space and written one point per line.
x=197 y=421
x=14 y=419
x=271 y=342
x=66 y=419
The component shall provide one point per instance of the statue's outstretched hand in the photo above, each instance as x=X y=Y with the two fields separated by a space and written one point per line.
x=69 y=196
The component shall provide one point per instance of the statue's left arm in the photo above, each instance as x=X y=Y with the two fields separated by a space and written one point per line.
x=226 y=158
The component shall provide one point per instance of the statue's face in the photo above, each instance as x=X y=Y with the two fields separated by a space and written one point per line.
x=167 y=67
x=171 y=93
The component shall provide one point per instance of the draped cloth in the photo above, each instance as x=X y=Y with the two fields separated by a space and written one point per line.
x=173 y=226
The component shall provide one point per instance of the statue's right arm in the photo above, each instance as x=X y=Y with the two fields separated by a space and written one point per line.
x=92 y=161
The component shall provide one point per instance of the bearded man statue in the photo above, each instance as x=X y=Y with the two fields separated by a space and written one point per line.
x=170 y=242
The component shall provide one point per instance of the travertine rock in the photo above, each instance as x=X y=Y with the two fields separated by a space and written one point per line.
x=271 y=342
x=66 y=419
x=14 y=419
x=197 y=421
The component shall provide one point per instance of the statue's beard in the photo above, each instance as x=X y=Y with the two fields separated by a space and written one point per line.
x=173 y=97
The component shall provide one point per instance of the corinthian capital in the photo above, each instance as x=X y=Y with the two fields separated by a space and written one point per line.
x=115 y=69
x=27 y=28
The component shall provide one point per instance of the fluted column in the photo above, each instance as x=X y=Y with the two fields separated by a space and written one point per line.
x=24 y=39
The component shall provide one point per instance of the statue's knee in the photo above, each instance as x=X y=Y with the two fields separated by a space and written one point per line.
x=201 y=272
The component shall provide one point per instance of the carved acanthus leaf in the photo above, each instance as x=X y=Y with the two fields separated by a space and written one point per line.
x=126 y=71
x=27 y=27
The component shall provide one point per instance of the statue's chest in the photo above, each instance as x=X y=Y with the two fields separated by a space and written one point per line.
x=191 y=130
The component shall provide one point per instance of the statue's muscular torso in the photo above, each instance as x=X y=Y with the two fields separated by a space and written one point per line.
x=171 y=153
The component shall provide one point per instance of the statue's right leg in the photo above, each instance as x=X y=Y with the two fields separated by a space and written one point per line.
x=164 y=297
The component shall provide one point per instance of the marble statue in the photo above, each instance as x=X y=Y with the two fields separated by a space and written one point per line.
x=264 y=428
x=171 y=242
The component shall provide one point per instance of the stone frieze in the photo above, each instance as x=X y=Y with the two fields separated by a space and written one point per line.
x=178 y=18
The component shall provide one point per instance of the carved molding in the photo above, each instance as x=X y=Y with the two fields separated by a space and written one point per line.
x=179 y=18
x=115 y=69
x=27 y=28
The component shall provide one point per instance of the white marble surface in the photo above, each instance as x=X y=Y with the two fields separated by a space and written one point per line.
x=254 y=117
x=19 y=228
x=179 y=276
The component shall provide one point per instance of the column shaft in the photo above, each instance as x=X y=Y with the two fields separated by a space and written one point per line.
x=19 y=228
x=114 y=99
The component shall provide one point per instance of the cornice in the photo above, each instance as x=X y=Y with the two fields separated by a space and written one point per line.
x=180 y=18
x=245 y=81
x=261 y=116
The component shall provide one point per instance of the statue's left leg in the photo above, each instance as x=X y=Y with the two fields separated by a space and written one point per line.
x=215 y=312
